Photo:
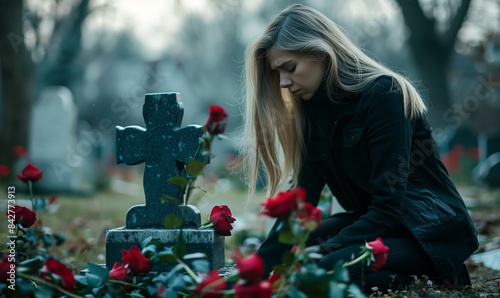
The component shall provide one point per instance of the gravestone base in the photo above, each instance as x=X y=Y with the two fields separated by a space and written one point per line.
x=204 y=241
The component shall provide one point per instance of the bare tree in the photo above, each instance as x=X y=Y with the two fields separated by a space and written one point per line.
x=26 y=69
x=433 y=27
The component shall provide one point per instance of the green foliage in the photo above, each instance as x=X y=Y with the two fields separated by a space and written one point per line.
x=172 y=221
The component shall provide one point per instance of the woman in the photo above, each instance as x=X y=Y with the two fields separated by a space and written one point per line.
x=321 y=112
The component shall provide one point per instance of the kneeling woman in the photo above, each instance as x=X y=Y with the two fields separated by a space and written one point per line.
x=323 y=112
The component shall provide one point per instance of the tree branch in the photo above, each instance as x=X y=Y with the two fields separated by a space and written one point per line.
x=450 y=35
x=421 y=27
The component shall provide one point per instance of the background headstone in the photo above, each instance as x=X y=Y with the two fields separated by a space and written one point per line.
x=165 y=148
x=53 y=144
x=487 y=171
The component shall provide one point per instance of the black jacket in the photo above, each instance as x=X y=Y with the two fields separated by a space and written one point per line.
x=385 y=167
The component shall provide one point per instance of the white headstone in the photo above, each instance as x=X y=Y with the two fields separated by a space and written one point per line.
x=53 y=124
x=53 y=143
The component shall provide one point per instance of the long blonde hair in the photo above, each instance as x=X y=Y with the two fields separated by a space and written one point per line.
x=273 y=124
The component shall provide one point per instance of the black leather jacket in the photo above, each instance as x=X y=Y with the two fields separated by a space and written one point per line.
x=385 y=167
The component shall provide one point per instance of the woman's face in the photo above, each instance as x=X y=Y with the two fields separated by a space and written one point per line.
x=300 y=75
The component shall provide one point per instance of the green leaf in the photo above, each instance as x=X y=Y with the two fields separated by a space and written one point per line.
x=196 y=255
x=149 y=250
x=194 y=167
x=172 y=221
x=146 y=241
x=281 y=269
x=294 y=293
x=100 y=271
x=355 y=291
x=314 y=286
x=201 y=266
x=136 y=295
x=167 y=256
x=47 y=240
x=93 y=281
x=286 y=236
x=165 y=278
x=288 y=258
x=180 y=246
x=30 y=265
x=170 y=199
x=152 y=241
x=60 y=238
x=81 y=279
x=337 y=289
x=341 y=274
x=178 y=180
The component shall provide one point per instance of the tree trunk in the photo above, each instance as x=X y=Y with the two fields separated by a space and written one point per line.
x=432 y=67
x=16 y=73
x=431 y=52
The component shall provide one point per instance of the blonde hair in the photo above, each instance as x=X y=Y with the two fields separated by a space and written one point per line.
x=273 y=124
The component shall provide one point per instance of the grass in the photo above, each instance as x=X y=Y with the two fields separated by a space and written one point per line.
x=85 y=219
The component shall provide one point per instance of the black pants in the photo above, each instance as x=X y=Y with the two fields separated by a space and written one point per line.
x=405 y=257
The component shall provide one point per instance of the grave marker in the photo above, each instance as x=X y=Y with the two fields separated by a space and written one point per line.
x=165 y=148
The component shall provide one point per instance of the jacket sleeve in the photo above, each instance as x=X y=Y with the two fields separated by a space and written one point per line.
x=271 y=251
x=389 y=134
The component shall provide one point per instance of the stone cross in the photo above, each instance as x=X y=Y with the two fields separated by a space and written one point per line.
x=165 y=148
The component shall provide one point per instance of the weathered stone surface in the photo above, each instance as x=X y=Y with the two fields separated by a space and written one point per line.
x=165 y=148
x=204 y=241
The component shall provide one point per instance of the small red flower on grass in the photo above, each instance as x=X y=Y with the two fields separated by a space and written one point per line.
x=58 y=273
x=23 y=215
x=4 y=171
x=30 y=173
x=19 y=151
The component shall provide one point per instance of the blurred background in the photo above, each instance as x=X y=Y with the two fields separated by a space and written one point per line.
x=70 y=71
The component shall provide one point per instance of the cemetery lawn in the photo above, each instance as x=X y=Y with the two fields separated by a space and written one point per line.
x=85 y=219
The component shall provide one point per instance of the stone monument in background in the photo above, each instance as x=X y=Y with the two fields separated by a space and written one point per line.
x=165 y=148
x=53 y=143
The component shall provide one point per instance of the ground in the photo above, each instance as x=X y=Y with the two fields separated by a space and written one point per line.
x=84 y=220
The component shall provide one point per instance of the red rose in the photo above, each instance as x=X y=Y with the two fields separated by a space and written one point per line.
x=251 y=268
x=310 y=216
x=23 y=216
x=217 y=120
x=136 y=262
x=262 y=289
x=19 y=151
x=119 y=272
x=221 y=218
x=211 y=285
x=30 y=173
x=4 y=171
x=283 y=204
x=379 y=251
x=7 y=269
x=65 y=277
